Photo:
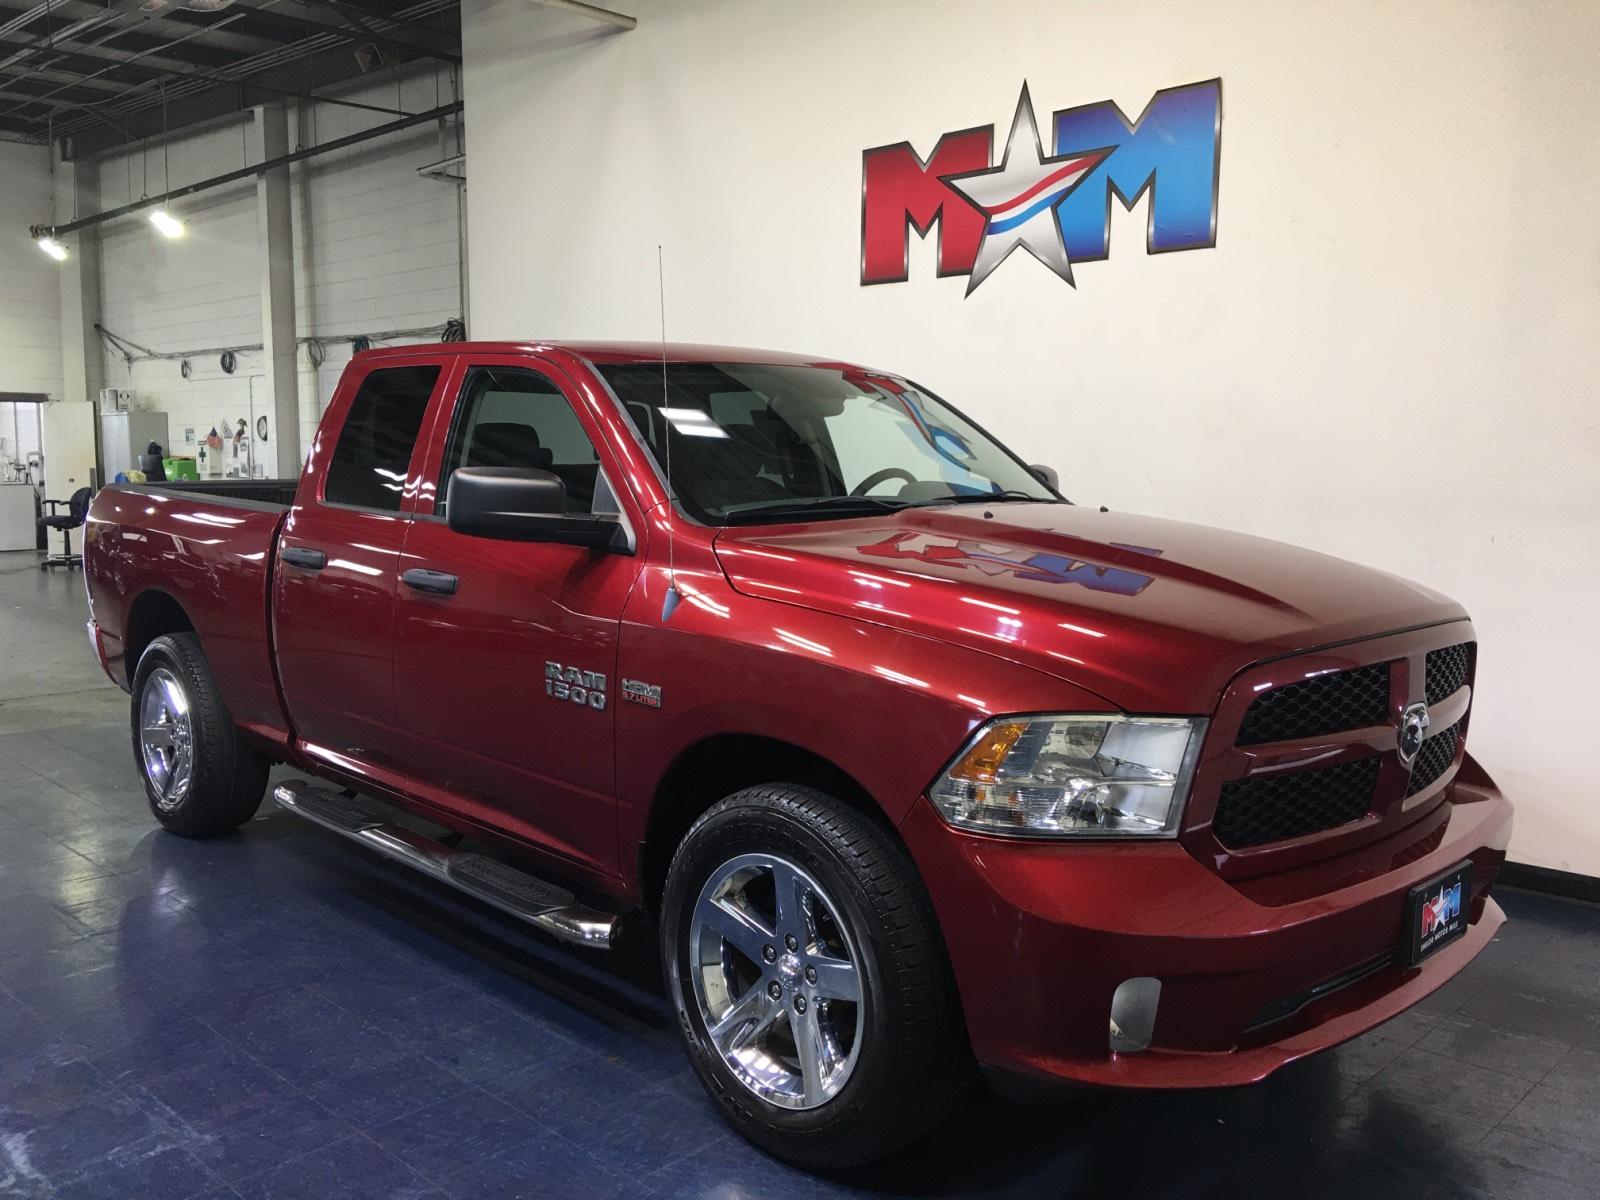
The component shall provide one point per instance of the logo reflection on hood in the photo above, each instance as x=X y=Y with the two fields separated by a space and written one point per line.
x=992 y=559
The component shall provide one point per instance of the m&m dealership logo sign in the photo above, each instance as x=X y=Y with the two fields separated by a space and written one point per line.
x=1056 y=206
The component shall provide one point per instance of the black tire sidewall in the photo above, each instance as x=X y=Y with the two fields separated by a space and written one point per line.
x=226 y=779
x=806 y=1134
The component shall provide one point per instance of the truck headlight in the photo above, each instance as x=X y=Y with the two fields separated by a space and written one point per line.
x=1073 y=776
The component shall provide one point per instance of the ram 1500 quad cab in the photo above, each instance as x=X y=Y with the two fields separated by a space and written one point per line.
x=916 y=763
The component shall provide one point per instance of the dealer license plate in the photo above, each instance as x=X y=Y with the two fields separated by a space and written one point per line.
x=1436 y=913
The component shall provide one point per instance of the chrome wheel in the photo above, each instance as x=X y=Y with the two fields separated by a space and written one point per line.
x=166 y=737
x=775 y=975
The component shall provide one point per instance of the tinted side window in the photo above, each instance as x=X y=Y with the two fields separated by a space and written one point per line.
x=517 y=418
x=368 y=468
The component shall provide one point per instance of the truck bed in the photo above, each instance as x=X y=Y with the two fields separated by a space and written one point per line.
x=206 y=548
x=278 y=493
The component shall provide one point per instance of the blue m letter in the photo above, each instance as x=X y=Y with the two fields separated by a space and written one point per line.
x=1171 y=150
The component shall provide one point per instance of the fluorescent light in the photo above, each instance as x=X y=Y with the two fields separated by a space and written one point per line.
x=53 y=248
x=167 y=224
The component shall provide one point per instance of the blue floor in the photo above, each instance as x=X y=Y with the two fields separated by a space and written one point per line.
x=279 y=1014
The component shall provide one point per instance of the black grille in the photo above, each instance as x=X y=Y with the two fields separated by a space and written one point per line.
x=1270 y=809
x=1327 y=704
x=1434 y=759
x=1448 y=670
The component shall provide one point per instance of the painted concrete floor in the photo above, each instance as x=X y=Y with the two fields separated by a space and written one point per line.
x=278 y=1014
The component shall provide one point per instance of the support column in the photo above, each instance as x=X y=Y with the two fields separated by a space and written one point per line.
x=77 y=192
x=278 y=335
x=68 y=423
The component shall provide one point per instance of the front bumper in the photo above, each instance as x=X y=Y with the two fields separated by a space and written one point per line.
x=1041 y=934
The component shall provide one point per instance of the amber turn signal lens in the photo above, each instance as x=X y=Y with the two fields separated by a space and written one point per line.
x=981 y=764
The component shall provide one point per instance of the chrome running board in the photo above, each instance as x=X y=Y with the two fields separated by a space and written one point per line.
x=544 y=905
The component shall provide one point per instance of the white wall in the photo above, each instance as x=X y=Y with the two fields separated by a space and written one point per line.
x=1390 y=354
x=376 y=249
x=30 y=301
x=199 y=291
x=377 y=246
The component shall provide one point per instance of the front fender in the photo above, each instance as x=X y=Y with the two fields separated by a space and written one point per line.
x=886 y=707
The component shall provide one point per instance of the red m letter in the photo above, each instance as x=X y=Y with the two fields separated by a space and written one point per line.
x=900 y=190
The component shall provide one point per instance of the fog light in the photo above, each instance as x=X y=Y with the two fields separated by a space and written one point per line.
x=1133 y=1014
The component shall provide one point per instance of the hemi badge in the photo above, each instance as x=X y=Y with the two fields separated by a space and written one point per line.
x=639 y=692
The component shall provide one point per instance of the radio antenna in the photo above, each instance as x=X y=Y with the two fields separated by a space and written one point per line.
x=670 y=601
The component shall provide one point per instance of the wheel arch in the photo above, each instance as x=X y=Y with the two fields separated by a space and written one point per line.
x=719 y=765
x=153 y=613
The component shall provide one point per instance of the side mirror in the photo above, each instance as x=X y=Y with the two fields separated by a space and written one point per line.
x=1048 y=476
x=521 y=504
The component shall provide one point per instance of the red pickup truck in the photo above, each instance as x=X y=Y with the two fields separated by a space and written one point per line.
x=915 y=763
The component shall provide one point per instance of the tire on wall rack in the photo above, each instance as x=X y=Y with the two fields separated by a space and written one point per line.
x=810 y=979
x=200 y=778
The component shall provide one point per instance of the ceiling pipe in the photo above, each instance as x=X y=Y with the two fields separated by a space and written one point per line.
x=46 y=42
x=23 y=19
x=328 y=35
x=53 y=42
x=453 y=35
x=100 y=63
x=260 y=168
x=593 y=12
x=362 y=32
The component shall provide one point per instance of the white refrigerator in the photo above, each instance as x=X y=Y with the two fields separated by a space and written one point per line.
x=67 y=429
x=123 y=437
x=17 y=528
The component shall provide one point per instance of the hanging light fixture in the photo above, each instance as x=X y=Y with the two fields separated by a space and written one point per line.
x=167 y=225
x=53 y=248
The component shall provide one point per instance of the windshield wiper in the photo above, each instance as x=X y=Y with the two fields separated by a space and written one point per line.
x=1009 y=495
x=837 y=506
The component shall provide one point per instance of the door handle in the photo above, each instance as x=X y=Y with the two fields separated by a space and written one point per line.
x=424 y=580
x=302 y=556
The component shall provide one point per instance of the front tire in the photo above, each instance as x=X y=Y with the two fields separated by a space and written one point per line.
x=810 y=979
x=200 y=777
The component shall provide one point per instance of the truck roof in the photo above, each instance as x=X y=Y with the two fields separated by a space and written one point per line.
x=606 y=352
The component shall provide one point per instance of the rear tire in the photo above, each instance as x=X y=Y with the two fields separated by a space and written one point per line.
x=884 y=1067
x=200 y=777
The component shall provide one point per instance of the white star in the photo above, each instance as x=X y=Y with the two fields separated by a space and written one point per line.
x=1019 y=197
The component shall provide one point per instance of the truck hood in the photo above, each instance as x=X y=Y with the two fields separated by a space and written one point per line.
x=1152 y=615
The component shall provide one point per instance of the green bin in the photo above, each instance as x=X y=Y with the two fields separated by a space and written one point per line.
x=181 y=468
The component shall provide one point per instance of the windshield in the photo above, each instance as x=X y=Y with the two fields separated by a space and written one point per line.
x=745 y=443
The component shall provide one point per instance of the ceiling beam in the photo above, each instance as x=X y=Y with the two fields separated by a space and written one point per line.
x=290 y=18
x=52 y=68
x=148 y=70
x=331 y=69
x=52 y=39
x=88 y=64
x=6 y=93
x=78 y=28
x=23 y=19
x=366 y=10
x=152 y=66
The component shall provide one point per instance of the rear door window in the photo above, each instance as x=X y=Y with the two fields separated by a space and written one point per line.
x=373 y=453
